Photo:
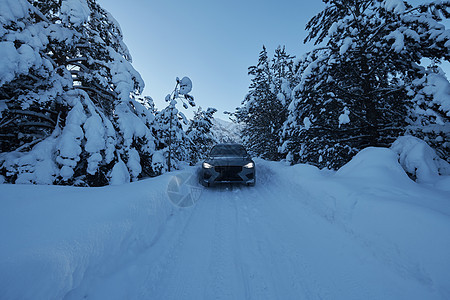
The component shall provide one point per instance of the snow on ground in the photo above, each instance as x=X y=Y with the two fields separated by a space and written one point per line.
x=53 y=238
x=364 y=232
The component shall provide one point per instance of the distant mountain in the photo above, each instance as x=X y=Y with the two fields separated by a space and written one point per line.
x=226 y=131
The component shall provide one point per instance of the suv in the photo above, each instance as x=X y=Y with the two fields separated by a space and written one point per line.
x=228 y=163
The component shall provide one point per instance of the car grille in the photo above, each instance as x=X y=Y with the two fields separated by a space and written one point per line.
x=228 y=173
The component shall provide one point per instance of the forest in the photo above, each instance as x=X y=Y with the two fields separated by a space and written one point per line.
x=72 y=110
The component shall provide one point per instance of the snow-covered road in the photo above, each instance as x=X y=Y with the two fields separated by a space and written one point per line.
x=298 y=234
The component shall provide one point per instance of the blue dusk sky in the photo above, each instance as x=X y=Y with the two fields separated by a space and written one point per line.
x=211 y=42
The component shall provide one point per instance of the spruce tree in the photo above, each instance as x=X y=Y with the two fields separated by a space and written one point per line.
x=68 y=114
x=263 y=110
x=283 y=81
x=429 y=116
x=173 y=144
x=354 y=90
x=199 y=134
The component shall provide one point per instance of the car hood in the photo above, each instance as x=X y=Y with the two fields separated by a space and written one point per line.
x=228 y=161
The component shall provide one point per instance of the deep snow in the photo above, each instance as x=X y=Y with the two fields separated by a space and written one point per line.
x=364 y=232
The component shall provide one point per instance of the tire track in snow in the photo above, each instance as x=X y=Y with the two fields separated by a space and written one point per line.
x=203 y=260
x=303 y=224
x=289 y=272
x=228 y=279
x=217 y=263
x=232 y=262
x=188 y=274
x=163 y=273
x=257 y=276
x=307 y=240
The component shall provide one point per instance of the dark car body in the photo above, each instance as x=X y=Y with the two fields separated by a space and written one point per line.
x=228 y=163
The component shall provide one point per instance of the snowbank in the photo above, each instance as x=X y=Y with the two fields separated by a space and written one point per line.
x=55 y=237
x=421 y=161
x=375 y=165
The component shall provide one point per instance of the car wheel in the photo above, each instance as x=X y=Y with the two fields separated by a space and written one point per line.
x=203 y=183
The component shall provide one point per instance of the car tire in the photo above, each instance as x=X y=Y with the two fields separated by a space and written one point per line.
x=202 y=183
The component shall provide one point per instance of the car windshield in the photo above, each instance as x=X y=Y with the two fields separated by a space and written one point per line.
x=228 y=150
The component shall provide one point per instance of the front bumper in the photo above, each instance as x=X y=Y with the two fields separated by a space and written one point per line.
x=227 y=174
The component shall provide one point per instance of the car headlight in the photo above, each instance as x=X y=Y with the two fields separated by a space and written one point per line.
x=207 y=166
x=249 y=165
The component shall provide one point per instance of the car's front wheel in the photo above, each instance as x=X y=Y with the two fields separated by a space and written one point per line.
x=251 y=183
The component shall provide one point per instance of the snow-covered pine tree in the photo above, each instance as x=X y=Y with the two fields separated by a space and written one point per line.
x=201 y=139
x=354 y=90
x=67 y=115
x=146 y=111
x=298 y=122
x=283 y=81
x=283 y=75
x=173 y=144
x=430 y=113
x=263 y=110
